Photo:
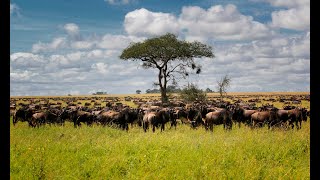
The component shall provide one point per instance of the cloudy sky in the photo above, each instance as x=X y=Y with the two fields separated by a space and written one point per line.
x=72 y=47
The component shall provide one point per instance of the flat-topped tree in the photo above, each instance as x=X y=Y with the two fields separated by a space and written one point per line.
x=170 y=56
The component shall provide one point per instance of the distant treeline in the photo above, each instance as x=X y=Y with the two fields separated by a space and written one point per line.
x=99 y=93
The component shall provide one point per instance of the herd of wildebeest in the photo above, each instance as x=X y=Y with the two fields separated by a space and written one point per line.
x=152 y=113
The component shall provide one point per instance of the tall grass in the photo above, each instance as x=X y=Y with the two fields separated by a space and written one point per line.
x=183 y=153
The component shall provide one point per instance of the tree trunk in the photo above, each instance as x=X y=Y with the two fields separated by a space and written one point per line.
x=164 y=97
x=163 y=85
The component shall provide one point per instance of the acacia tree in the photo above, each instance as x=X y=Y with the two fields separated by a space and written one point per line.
x=172 y=58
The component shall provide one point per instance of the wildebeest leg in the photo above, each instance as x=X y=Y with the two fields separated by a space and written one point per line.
x=30 y=123
x=297 y=124
x=229 y=125
x=270 y=124
x=205 y=125
x=162 y=127
x=75 y=123
x=211 y=127
x=173 y=123
x=14 y=120
x=292 y=125
x=153 y=128
x=89 y=124
x=144 y=126
x=253 y=124
x=300 y=124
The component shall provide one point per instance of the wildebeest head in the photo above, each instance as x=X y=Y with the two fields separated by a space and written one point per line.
x=195 y=117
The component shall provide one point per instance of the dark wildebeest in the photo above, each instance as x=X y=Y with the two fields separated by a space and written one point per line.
x=158 y=118
x=241 y=115
x=112 y=117
x=195 y=115
x=172 y=117
x=122 y=118
x=221 y=116
x=281 y=118
x=296 y=116
x=133 y=116
x=162 y=117
x=23 y=114
x=79 y=116
x=53 y=116
x=65 y=114
x=49 y=116
x=38 y=119
x=181 y=114
x=148 y=119
x=103 y=117
x=263 y=117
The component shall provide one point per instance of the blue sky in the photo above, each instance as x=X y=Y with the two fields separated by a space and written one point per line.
x=72 y=47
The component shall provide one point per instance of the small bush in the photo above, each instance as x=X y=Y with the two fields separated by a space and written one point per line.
x=192 y=93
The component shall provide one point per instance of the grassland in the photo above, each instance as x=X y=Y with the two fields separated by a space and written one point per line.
x=55 y=152
x=106 y=153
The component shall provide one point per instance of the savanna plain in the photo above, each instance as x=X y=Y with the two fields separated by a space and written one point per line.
x=65 y=152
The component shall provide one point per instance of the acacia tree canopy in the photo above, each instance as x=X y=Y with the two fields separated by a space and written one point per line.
x=171 y=56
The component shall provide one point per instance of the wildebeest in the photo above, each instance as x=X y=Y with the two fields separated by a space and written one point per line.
x=222 y=116
x=296 y=116
x=78 y=116
x=281 y=118
x=111 y=117
x=38 y=119
x=133 y=116
x=23 y=114
x=158 y=118
x=241 y=115
x=195 y=115
x=48 y=116
x=148 y=119
x=181 y=114
x=263 y=117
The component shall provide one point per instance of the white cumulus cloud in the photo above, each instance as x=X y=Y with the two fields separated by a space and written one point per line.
x=296 y=14
x=22 y=75
x=143 y=22
x=217 y=22
x=294 y=18
x=56 y=43
x=25 y=59
x=109 y=41
x=220 y=22
x=100 y=67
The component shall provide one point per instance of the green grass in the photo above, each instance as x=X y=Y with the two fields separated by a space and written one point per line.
x=106 y=153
